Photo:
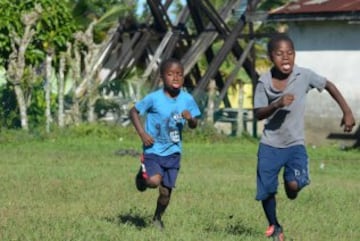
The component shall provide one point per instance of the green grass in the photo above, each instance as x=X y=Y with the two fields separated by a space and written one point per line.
x=75 y=187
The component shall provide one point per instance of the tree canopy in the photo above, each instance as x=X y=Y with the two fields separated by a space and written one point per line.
x=54 y=28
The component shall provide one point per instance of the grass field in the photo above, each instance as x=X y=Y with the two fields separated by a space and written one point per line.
x=79 y=187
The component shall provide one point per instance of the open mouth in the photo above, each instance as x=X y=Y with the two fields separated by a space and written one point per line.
x=176 y=85
x=286 y=67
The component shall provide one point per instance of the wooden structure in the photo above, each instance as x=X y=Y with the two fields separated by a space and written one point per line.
x=146 y=44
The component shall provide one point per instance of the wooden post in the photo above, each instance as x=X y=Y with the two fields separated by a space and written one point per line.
x=211 y=101
x=240 y=120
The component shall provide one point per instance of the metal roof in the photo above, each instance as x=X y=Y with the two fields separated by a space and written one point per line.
x=318 y=6
x=317 y=10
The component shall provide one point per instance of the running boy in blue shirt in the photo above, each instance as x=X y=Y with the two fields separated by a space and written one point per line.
x=167 y=110
x=280 y=99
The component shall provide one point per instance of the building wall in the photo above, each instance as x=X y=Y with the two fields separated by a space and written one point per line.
x=331 y=49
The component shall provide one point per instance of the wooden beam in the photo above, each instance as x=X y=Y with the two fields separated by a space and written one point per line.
x=233 y=74
x=204 y=40
x=161 y=18
x=196 y=7
x=214 y=17
x=222 y=28
x=229 y=44
x=220 y=57
x=125 y=54
x=130 y=54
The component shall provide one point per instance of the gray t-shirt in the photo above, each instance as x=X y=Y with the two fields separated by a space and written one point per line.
x=285 y=127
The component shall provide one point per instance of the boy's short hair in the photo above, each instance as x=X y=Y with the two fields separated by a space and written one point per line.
x=166 y=63
x=275 y=39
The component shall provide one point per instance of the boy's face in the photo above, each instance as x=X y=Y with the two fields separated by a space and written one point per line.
x=283 y=57
x=173 y=78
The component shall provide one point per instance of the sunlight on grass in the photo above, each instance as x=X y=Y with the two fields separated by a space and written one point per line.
x=81 y=188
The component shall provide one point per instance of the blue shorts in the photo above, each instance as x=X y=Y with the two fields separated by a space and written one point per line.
x=294 y=159
x=167 y=166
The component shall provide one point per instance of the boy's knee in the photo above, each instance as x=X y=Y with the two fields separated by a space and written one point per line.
x=292 y=189
x=154 y=181
x=164 y=191
x=164 y=195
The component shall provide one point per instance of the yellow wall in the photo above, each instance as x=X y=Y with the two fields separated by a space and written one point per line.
x=233 y=94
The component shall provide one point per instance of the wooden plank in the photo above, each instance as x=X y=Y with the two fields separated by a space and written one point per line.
x=161 y=18
x=222 y=28
x=229 y=43
x=236 y=69
x=130 y=55
x=204 y=40
x=220 y=57
x=214 y=17
x=200 y=27
x=125 y=54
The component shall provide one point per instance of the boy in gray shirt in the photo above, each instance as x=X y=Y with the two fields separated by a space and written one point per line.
x=280 y=99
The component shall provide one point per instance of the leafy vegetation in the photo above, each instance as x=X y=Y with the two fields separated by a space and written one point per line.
x=55 y=27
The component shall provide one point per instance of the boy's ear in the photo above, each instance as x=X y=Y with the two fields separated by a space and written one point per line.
x=270 y=56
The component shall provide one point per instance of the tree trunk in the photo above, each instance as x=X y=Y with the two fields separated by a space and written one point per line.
x=48 y=90
x=61 y=90
x=76 y=67
x=22 y=107
x=92 y=95
x=16 y=65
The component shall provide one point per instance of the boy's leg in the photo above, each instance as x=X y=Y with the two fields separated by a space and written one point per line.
x=270 y=162
x=141 y=176
x=291 y=189
x=161 y=205
x=269 y=206
x=149 y=174
x=171 y=165
x=274 y=229
x=296 y=174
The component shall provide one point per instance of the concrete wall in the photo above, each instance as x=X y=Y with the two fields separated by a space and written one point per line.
x=331 y=49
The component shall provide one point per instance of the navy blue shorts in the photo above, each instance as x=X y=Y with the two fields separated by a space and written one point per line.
x=271 y=160
x=167 y=166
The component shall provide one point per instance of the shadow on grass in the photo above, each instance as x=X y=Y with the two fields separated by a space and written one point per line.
x=354 y=137
x=128 y=219
x=237 y=229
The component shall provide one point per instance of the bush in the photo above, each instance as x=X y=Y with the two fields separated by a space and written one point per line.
x=204 y=133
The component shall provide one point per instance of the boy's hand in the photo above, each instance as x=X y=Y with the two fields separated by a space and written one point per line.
x=146 y=139
x=285 y=100
x=348 y=122
x=192 y=122
x=186 y=115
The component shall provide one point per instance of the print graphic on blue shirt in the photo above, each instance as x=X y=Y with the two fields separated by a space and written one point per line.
x=174 y=125
x=171 y=131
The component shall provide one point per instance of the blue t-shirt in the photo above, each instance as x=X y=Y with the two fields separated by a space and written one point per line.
x=164 y=121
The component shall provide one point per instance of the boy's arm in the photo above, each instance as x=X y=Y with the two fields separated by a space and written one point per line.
x=261 y=102
x=135 y=119
x=348 y=120
x=192 y=122
x=265 y=112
